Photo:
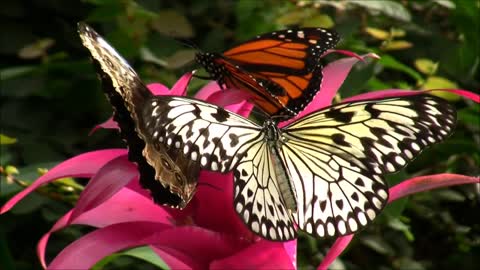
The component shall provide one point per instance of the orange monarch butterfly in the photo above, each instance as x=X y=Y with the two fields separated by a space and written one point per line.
x=281 y=70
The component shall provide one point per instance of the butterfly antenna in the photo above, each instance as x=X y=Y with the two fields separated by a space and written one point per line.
x=187 y=43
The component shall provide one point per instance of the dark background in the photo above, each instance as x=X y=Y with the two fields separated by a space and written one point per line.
x=51 y=98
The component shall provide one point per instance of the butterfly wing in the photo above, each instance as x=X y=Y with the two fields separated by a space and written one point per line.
x=337 y=156
x=281 y=70
x=223 y=141
x=176 y=176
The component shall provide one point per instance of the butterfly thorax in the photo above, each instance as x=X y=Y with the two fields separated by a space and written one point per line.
x=207 y=60
x=272 y=132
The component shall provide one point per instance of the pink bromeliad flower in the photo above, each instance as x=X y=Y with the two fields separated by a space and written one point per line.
x=208 y=234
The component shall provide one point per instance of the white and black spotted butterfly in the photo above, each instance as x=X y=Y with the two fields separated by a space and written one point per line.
x=170 y=177
x=322 y=172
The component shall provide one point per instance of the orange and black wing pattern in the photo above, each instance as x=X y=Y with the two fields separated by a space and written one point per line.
x=281 y=70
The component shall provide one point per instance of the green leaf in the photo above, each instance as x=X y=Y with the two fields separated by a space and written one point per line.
x=377 y=244
x=37 y=49
x=390 y=8
x=436 y=82
x=470 y=115
x=445 y=3
x=13 y=72
x=377 y=33
x=294 y=17
x=142 y=253
x=4 y=139
x=321 y=20
x=148 y=255
x=449 y=195
x=172 y=23
x=398 y=225
x=389 y=61
x=396 y=45
x=426 y=66
x=376 y=84
x=27 y=205
x=106 y=12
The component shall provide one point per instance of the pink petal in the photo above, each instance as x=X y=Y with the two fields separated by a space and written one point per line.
x=125 y=206
x=349 y=54
x=215 y=210
x=428 y=182
x=407 y=187
x=109 y=124
x=401 y=92
x=176 y=259
x=84 y=165
x=243 y=108
x=337 y=248
x=158 y=89
x=226 y=97
x=88 y=250
x=261 y=255
x=107 y=181
x=201 y=244
x=291 y=250
x=180 y=87
x=209 y=89
x=334 y=74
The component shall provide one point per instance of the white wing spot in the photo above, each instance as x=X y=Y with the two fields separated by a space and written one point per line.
x=341 y=227
x=330 y=229
x=309 y=228
x=203 y=161
x=362 y=218
x=382 y=193
x=371 y=214
x=214 y=166
x=415 y=146
x=400 y=160
x=320 y=231
x=390 y=167
x=246 y=216
x=352 y=223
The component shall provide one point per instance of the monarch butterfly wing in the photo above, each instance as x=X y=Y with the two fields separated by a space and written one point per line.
x=239 y=79
x=289 y=51
x=283 y=65
x=336 y=156
x=176 y=176
x=223 y=141
x=282 y=70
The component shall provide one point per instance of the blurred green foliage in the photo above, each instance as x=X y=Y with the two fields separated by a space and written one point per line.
x=50 y=100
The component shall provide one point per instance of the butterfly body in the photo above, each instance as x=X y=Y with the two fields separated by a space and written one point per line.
x=280 y=70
